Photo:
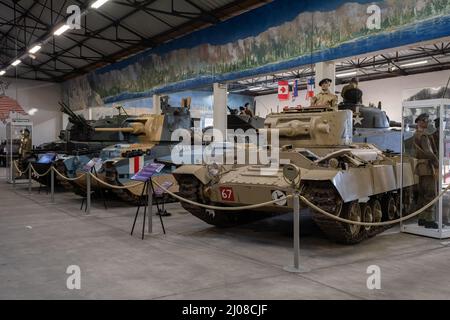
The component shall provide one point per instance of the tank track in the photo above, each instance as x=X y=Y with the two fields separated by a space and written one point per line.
x=326 y=197
x=67 y=185
x=190 y=188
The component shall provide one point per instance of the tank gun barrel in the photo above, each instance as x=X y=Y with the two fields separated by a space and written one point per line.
x=135 y=128
x=73 y=116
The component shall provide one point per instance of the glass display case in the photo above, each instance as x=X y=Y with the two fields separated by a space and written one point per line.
x=15 y=129
x=426 y=147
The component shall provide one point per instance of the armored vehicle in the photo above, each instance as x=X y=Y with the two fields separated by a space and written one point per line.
x=372 y=125
x=150 y=138
x=242 y=121
x=355 y=181
x=78 y=143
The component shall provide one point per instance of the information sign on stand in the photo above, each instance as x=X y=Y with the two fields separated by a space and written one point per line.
x=145 y=175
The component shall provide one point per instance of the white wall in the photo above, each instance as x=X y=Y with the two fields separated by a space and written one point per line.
x=44 y=96
x=389 y=91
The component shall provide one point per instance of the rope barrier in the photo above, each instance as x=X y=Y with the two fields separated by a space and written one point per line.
x=18 y=170
x=114 y=186
x=375 y=224
x=66 y=178
x=312 y=206
x=37 y=173
x=254 y=206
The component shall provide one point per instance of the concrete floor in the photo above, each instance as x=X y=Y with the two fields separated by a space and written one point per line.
x=39 y=240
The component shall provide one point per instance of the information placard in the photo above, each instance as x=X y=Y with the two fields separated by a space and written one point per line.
x=148 y=171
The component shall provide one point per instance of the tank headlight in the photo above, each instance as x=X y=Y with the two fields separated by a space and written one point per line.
x=213 y=170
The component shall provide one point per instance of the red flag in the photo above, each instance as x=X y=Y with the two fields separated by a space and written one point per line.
x=283 y=90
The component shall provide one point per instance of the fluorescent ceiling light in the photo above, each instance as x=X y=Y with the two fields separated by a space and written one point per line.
x=2 y=72
x=61 y=30
x=256 y=88
x=97 y=4
x=16 y=63
x=418 y=63
x=35 y=49
x=32 y=111
x=343 y=75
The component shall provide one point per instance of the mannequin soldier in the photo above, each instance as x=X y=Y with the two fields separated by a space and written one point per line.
x=325 y=98
x=426 y=169
x=25 y=144
x=353 y=86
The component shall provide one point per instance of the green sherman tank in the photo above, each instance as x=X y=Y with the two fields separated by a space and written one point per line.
x=150 y=138
x=356 y=181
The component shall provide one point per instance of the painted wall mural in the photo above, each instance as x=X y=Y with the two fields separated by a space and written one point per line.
x=280 y=35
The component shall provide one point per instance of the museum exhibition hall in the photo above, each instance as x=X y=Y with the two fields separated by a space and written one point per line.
x=193 y=150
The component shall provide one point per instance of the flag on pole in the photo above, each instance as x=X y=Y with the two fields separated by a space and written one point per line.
x=310 y=87
x=295 y=93
x=283 y=90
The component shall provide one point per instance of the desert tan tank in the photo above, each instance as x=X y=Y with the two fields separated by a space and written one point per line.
x=149 y=139
x=355 y=181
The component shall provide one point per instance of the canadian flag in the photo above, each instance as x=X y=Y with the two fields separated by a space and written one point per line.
x=283 y=90
x=136 y=164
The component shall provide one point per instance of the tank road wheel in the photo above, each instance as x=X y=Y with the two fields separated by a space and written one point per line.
x=353 y=212
x=377 y=212
x=367 y=214
x=389 y=207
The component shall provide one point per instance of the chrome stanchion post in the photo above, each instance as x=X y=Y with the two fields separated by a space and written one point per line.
x=150 y=206
x=29 y=178
x=293 y=175
x=296 y=231
x=88 y=193
x=52 y=185
x=13 y=174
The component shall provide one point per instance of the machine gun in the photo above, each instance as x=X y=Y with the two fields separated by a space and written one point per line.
x=79 y=128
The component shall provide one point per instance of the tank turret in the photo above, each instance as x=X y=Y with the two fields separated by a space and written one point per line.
x=311 y=127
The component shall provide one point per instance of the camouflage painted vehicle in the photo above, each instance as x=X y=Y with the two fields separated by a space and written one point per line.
x=150 y=138
x=77 y=144
x=356 y=181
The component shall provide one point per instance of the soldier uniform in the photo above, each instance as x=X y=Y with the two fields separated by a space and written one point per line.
x=351 y=86
x=426 y=168
x=325 y=98
x=25 y=144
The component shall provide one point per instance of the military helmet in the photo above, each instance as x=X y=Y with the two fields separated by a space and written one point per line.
x=422 y=117
x=325 y=80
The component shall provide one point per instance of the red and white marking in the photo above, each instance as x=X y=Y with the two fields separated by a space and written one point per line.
x=136 y=164
x=283 y=90
x=227 y=194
